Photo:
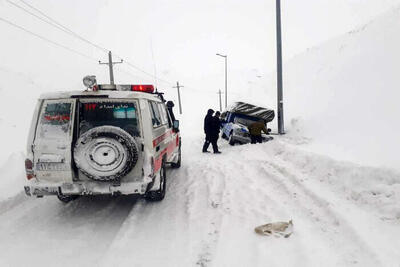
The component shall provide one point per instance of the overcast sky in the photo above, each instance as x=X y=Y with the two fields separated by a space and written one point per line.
x=177 y=39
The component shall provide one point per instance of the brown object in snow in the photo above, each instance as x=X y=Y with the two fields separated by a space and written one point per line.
x=284 y=229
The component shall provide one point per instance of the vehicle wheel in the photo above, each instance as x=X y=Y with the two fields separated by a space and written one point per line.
x=105 y=153
x=231 y=141
x=65 y=198
x=178 y=163
x=159 y=194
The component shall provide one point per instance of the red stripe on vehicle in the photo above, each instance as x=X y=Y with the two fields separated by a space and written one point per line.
x=158 y=161
x=161 y=138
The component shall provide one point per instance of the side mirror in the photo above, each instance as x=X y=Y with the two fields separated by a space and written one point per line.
x=175 y=126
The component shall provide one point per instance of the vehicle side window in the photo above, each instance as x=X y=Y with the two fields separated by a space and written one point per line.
x=155 y=114
x=163 y=113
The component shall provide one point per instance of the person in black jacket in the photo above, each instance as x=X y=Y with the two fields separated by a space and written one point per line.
x=216 y=127
x=210 y=131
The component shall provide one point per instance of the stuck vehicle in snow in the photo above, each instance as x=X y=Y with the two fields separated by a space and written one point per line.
x=237 y=118
x=113 y=139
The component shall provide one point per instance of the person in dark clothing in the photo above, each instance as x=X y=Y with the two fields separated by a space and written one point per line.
x=216 y=126
x=209 y=130
x=170 y=105
x=255 y=130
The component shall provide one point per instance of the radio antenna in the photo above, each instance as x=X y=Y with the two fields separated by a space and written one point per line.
x=154 y=63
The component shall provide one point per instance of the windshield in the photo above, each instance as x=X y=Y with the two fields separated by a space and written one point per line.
x=114 y=113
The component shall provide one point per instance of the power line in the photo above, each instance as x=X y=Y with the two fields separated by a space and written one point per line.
x=52 y=22
x=63 y=28
x=55 y=43
x=130 y=73
x=45 y=39
x=57 y=24
x=36 y=16
x=145 y=72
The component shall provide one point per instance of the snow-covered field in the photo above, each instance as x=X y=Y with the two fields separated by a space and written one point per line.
x=343 y=215
x=335 y=174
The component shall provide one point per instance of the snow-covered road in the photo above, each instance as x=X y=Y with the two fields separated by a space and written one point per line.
x=343 y=215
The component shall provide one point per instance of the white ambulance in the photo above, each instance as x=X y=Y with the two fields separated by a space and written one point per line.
x=108 y=139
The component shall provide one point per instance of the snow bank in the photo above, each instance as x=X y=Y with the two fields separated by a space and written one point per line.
x=373 y=188
x=18 y=95
x=344 y=94
x=12 y=176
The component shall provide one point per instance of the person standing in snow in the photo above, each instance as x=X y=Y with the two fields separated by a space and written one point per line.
x=255 y=130
x=209 y=131
x=216 y=126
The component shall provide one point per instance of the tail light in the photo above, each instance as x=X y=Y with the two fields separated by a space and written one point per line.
x=29 y=169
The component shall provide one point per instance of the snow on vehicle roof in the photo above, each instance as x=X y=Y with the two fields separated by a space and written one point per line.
x=251 y=110
x=105 y=93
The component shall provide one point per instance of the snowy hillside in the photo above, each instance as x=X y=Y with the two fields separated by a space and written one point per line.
x=344 y=94
x=325 y=174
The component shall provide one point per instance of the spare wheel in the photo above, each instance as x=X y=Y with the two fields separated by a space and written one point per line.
x=105 y=153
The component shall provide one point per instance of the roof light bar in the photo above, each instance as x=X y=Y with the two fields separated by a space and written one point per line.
x=147 y=88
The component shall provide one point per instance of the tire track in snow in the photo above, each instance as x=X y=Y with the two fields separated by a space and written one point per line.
x=155 y=233
x=63 y=231
x=12 y=202
x=262 y=204
x=205 y=193
x=322 y=213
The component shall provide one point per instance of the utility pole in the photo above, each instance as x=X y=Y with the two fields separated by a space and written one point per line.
x=226 y=78
x=279 y=68
x=220 y=100
x=226 y=81
x=110 y=64
x=179 y=96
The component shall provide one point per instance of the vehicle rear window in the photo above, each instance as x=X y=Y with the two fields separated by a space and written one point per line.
x=55 y=120
x=113 y=113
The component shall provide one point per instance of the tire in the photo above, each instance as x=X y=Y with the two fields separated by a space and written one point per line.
x=65 y=198
x=159 y=194
x=178 y=163
x=231 y=141
x=105 y=153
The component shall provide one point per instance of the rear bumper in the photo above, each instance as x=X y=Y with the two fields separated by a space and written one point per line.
x=87 y=188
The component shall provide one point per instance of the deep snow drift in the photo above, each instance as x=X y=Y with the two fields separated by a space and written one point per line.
x=343 y=214
x=340 y=100
x=344 y=94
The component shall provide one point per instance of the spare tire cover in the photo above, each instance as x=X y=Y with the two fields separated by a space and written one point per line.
x=105 y=153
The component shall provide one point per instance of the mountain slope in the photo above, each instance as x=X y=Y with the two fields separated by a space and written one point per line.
x=344 y=94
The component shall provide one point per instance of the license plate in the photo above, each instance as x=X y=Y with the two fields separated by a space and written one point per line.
x=51 y=166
